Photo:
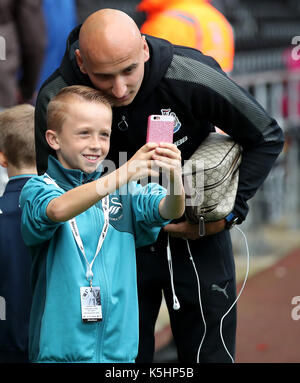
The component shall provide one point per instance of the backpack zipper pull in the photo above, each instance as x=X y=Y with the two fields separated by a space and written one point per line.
x=201 y=226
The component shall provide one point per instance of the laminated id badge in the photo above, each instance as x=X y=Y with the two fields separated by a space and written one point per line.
x=91 y=310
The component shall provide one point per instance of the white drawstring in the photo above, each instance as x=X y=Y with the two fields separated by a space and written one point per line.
x=176 y=304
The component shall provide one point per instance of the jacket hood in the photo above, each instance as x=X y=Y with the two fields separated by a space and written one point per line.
x=69 y=68
x=161 y=53
x=153 y=6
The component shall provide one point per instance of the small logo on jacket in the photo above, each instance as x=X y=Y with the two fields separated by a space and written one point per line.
x=115 y=209
x=167 y=112
x=220 y=289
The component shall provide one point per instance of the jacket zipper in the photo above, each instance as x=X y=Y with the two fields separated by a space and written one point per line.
x=201 y=226
x=103 y=292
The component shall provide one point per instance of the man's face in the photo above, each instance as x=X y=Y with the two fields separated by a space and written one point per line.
x=119 y=78
x=83 y=141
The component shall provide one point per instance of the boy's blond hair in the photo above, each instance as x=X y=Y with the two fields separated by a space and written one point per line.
x=17 y=135
x=58 y=106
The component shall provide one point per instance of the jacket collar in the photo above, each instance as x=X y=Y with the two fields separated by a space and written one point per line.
x=15 y=184
x=69 y=68
x=69 y=178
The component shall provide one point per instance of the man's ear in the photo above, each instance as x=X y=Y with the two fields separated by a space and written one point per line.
x=145 y=49
x=3 y=160
x=79 y=61
x=52 y=139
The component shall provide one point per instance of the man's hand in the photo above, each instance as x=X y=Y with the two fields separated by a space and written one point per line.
x=187 y=230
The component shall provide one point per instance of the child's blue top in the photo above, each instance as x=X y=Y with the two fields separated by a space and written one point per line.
x=57 y=332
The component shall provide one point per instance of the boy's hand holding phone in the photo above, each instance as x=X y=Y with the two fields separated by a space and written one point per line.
x=151 y=157
x=141 y=164
x=168 y=157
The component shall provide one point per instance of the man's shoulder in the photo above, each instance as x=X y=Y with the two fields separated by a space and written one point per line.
x=190 y=66
x=51 y=87
x=165 y=46
x=182 y=53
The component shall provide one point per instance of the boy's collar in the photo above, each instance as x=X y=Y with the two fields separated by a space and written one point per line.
x=21 y=176
x=69 y=178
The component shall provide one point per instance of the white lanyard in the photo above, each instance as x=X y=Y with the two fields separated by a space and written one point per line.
x=73 y=225
x=105 y=205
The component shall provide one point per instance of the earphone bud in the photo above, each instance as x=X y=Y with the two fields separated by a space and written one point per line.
x=176 y=304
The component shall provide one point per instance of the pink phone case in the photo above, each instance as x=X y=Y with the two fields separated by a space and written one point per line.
x=160 y=128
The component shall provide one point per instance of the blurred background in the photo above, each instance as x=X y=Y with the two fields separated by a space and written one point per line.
x=266 y=62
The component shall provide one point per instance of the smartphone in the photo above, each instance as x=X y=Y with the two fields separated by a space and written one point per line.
x=160 y=128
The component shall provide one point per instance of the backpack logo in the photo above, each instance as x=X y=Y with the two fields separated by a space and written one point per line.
x=167 y=112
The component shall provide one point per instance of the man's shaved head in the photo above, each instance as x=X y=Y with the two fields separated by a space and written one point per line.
x=108 y=29
x=111 y=47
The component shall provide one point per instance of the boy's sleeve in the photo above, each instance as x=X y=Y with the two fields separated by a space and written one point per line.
x=145 y=205
x=36 y=227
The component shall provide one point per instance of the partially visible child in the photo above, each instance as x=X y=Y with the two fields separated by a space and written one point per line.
x=17 y=155
x=83 y=228
x=3 y=180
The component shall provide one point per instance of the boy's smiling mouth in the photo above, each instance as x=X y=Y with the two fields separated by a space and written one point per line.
x=91 y=157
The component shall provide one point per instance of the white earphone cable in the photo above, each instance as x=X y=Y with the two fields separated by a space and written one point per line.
x=200 y=303
x=176 y=304
x=230 y=308
x=241 y=290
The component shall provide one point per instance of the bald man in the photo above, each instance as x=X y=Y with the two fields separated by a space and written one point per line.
x=146 y=75
x=118 y=67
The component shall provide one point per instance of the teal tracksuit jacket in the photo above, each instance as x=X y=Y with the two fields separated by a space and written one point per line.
x=57 y=333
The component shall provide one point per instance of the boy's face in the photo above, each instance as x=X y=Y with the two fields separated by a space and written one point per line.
x=84 y=139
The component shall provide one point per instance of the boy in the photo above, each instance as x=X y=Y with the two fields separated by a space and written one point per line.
x=17 y=155
x=84 y=273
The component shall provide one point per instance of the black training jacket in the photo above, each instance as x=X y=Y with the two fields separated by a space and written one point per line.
x=184 y=82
